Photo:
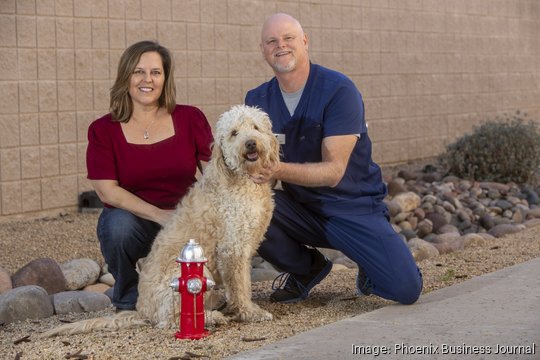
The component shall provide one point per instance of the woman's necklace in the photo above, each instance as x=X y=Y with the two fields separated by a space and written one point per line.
x=146 y=135
x=146 y=130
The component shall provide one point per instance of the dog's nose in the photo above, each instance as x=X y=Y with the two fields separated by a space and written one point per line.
x=251 y=145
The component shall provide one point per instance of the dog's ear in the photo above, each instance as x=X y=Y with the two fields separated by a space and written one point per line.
x=274 y=154
x=266 y=123
x=217 y=156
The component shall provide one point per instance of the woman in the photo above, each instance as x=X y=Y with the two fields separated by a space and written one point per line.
x=142 y=157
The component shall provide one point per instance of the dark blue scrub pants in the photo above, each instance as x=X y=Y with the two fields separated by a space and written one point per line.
x=124 y=239
x=367 y=239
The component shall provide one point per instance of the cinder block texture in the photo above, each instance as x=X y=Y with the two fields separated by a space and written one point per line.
x=428 y=70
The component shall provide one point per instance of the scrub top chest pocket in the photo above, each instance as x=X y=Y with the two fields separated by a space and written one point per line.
x=302 y=141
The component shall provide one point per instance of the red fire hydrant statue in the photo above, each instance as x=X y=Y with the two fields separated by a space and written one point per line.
x=191 y=285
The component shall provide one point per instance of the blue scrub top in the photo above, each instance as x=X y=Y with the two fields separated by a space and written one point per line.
x=330 y=105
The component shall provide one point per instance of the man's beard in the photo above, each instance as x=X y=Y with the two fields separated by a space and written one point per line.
x=290 y=66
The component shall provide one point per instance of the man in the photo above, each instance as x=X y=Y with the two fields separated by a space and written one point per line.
x=333 y=191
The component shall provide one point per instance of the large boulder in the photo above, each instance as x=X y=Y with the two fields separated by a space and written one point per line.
x=79 y=301
x=44 y=272
x=25 y=302
x=80 y=273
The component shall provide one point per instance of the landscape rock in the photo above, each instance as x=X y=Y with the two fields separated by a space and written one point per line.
x=256 y=260
x=487 y=236
x=5 y=281
x=407 y=175
x=80 y=273
x=451 y=198
x=431 y=177
x=25 y=302
x=331 y=254
x=495 y=186
x=79 y=301
x=407 y=201
x=408 y=233
x=517 y=216
x=405 y=225
x=446 y=237
x=107 y=278
x=413 y=221
x=422 y=250
x=448 y=228
x=345 y=261
x=339 y=267
x=98 y=287
x=438 y=220
x=109 y=293
x=419 y=213
x=424 y=228
x=473 y=240
x=393 y=208
x=450 y=245
x=534 y=213
x=259 y=274
x=396 y=186
x=486 y=220
x=43 y=272
x=531 y=195
x=532 y=223
x=504 y=229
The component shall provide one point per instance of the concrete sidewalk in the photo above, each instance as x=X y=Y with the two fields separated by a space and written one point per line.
x=495 y=316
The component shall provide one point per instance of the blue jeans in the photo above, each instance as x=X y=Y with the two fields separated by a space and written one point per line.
x=124 y=239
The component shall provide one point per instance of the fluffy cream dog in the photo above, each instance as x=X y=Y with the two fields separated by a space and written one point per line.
x=226 y=212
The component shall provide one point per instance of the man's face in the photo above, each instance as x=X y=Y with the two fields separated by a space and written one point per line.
x=283 y=44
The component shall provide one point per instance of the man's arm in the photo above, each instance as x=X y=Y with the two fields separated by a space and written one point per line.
x=336 y=151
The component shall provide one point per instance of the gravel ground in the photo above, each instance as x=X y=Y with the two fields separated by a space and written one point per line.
x=72 y=235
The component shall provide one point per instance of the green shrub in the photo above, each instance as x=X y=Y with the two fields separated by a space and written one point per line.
x=506 y=149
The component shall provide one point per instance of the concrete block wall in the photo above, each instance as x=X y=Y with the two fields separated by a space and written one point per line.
x=429 y=70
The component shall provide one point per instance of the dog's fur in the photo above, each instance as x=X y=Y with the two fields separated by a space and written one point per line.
x=226 y=212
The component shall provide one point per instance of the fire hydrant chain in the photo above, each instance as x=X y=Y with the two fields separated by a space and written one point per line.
x=195 y=312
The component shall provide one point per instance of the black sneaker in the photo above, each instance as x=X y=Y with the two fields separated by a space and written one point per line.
x=292 y=288
x=363 y=283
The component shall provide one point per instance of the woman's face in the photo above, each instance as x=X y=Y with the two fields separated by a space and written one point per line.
x=147 y=80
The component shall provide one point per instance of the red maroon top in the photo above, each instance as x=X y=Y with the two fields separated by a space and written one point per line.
x=158 y=173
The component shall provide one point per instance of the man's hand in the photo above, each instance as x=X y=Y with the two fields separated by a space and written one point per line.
x=266 y=174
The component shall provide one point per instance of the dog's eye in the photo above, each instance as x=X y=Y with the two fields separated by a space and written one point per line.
x=256 y=127
x=234 y=133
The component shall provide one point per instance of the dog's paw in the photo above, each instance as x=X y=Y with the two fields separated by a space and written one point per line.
x=166 y=325
x=214 y=301
x=255 y=314
x=212 y=318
